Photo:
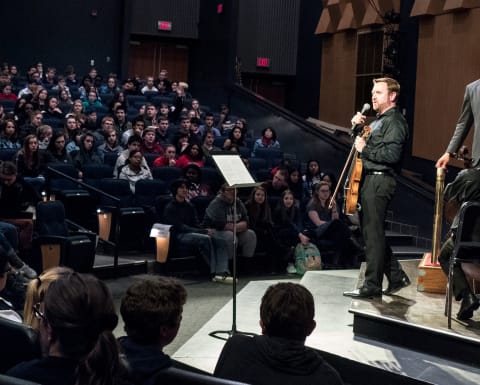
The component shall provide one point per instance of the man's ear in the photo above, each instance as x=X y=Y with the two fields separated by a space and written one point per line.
x=311 y=328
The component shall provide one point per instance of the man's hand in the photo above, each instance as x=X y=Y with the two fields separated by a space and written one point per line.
x=443 y=161
x=360 y=144
x=358 y=118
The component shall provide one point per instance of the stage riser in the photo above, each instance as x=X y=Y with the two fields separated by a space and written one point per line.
x=451 y=347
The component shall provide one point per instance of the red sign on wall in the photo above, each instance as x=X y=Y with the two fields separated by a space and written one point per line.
x=164 y=25
x=263 y=62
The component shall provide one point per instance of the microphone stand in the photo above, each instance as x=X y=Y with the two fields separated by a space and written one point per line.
x=233 y=330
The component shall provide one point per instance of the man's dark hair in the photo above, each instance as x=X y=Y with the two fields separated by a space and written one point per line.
x=8 y=168
x=150 y=305
x=134 y=138
x=287 y=310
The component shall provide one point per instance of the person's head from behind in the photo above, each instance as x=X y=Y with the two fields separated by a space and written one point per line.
x=76 y=322
x=152 y=310
x=287 y=311
x=8 y=173
x=36 y=290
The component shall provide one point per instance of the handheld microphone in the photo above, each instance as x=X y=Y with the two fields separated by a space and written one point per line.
x=366 y=107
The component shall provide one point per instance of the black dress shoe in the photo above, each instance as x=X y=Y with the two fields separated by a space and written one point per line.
x=363 y=292
x=469 y=304
x=393 y=287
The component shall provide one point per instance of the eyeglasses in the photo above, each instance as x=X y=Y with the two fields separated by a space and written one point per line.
x=38 y=313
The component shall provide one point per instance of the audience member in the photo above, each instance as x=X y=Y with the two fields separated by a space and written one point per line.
x=134 y=142
x=36 y=290
x=138 y=125
x=8 y=134
x=149 y=86
x=260 y=221
x=187 y=231
x=209 y=125
x=235 y=137
x=86 y=155
x=133 y=170
x=326 y=228
x=149 y=145
x=193 y=176
x=56 y=151
x=288 y=226
x=193 y=153
x=168 y=159
x=219 y=216
x=76 y=317
x=121 y=122
x=152 y=312
x=279 y=355
x=312 y=176
x=30 y=163
x=267 y=140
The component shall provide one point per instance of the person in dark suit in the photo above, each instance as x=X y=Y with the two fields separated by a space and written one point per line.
x=381 y=153
x=465 y=187
x=469 y=116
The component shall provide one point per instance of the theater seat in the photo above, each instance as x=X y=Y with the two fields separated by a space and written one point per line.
x=19 y=343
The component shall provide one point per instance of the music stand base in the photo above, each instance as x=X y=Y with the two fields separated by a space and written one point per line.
x=229 y=333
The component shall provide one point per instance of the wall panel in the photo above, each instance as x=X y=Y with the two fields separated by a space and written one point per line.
x=184 y=15
x=448 y=59
x=337 y=92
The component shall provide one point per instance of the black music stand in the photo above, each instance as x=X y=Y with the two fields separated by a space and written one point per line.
x=236 y=175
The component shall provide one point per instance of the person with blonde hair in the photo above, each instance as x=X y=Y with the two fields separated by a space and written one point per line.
x=36 y=290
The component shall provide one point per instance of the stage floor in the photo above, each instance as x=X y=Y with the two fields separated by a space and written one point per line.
x=419 y=308
x=334 y=332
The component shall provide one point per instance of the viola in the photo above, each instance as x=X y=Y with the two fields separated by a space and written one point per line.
x=352 y=182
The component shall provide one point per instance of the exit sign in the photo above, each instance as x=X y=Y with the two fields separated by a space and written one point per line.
x=164 y=25
x=263 y=62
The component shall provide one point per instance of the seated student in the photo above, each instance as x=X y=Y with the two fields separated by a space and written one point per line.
x=187 y=230
x=110 y=144
x=149 y=145
x=278 y=184
x=77 y=317
x=134 y=143
x=219 y=216
x=326 y=228
x=152 y=311
x=86 y=155
x=267 y=140
x=193 y=153
x=133 y=170
x=193 y=175
x=279 y=356
x=138 y=126
x=56 y=151
x=168 y=159
x=260 y=221
x=288 y=226
x=30 y=164
x=312 y=176
x=7 y=309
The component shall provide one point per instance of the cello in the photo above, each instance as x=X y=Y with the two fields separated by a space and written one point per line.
x=352 y=182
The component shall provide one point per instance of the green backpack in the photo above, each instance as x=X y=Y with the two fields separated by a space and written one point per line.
x=307 y=257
